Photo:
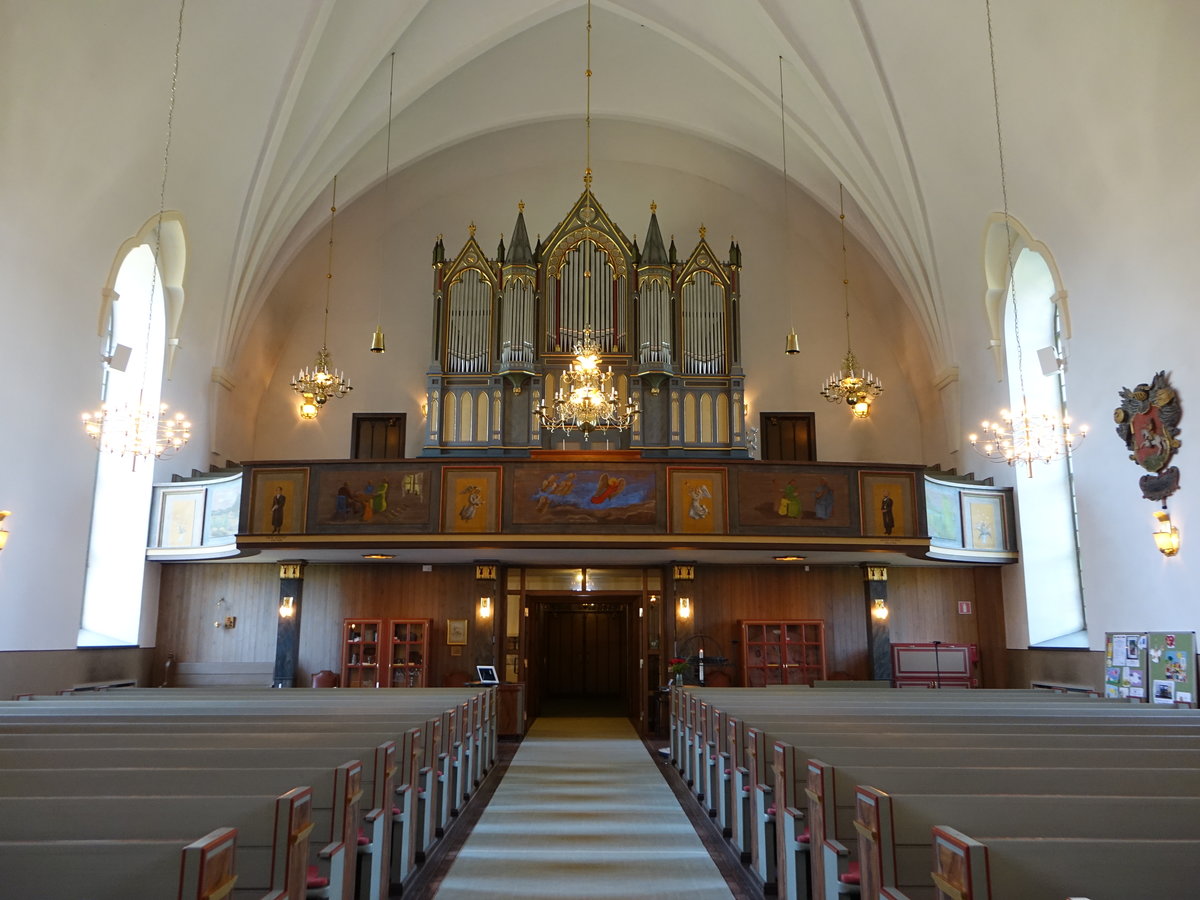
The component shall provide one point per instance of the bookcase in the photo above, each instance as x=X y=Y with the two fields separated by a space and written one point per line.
x=385 y=652
x=360 y=652
x=782 y=651
x=408 y=652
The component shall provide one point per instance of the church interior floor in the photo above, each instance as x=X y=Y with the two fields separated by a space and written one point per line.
x=582 y=810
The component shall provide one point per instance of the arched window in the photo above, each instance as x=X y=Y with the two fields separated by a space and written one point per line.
x=1046 y=511
x=142 y=308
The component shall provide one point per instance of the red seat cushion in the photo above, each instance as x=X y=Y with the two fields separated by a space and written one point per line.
x=315 y=879
x=770 y=811
x=396 y=811
x=851 y=876
x=803 y=837
x=363 y=840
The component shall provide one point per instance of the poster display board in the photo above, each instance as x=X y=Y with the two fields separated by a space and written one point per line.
x=1172 y=663
x=1155 y=667
x=1125 y=665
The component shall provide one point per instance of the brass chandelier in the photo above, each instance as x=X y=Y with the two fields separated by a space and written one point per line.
x=143 y=429
x=586 y=398
x=852 y=384
x=1022 y=435
x=318 y=384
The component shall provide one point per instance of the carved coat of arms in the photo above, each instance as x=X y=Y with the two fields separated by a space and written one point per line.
x=1148 y=422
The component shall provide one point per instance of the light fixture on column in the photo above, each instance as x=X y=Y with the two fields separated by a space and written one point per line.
x=852 y=384
x=1021 y=435
x=685 y=607
x=485 y=607
x=586 y=398
x=793 y=340
x=4 y=514
x=316 y=385
x=287 y=609
x=144 y=429
x=378 y=345
x=1166 y=535
x=879 y=610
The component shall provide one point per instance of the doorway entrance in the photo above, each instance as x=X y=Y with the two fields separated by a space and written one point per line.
x=582 y=659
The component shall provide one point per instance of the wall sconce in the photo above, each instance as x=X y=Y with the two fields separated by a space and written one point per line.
x=685 y=608
x=4 y=514
x=227 y=621
x=287 y=609
x=879 y=610
x=485 y=607
x=1166 y=536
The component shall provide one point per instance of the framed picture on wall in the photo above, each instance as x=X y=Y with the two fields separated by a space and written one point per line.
x=470 y=499
x=456 y=632
x=278 y=501
x=181 y=518
x=984 y=523
x=697 y=501
x=886 y=503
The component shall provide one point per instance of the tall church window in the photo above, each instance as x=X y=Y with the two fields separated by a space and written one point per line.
x=143 y=315
x=1047 y=518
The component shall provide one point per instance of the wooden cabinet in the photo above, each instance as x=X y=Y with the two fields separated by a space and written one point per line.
x=407 y=664
x=360 y=652
x=782 y=651
x=385 y=652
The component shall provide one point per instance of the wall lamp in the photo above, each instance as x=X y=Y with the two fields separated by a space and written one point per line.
x=685 y=607
x=4 y=514
x=485 y=607
x=879 y=610
x=287 y=609
x=1166 y=535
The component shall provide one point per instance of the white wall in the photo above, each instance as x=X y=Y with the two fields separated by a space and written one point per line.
x=482 y=181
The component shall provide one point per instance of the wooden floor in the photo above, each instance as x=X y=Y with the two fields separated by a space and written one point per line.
x=583 y=810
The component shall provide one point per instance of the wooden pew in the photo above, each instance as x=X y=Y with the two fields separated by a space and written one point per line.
x=895 y=830
x=151 y=707
x=272 y=832
x=203 y=869
x=1053 y=868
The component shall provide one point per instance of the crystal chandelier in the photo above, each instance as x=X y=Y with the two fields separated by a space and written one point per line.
x=1023 y=435
x=852 y=384
x=137 y=429
x=145 y=429
x=317 y=384
x=586 y=398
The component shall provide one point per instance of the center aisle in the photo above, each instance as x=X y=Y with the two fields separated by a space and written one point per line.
x=583 y=812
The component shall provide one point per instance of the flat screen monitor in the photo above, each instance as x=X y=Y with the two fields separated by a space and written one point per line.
x=487 y=674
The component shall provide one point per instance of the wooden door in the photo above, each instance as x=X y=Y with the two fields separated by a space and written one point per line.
x=788 y=436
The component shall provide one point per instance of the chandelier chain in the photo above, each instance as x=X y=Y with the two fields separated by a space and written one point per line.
x=387 y=172
x=329 y=271
x=162 y=188
x=845 y=268
x=587 y=118
x=787 y=217
x=1008 y=242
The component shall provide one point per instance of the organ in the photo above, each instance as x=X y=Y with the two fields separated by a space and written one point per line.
x=505 y=328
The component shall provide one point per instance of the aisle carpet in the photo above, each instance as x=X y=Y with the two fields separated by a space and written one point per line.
x=583 y=812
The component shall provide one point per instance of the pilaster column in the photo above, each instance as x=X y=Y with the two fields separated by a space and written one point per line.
x=287 y=635
x=879 y=636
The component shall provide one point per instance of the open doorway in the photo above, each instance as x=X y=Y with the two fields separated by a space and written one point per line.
x=582 y=659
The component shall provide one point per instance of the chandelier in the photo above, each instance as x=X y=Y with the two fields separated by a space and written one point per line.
x=586 y=398
x=144 y=429
x=137 y=429
x=317 y=384
x=852 y=384
x=1021 y=436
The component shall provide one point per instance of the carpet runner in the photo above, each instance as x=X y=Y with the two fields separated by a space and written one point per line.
x=583 y=812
